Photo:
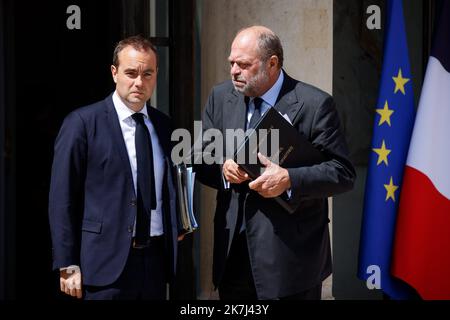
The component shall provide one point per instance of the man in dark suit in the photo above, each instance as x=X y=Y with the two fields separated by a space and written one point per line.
x=112 y=197
x=260 y=250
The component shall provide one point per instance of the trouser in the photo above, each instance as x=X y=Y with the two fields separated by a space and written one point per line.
x=143 y=277
x=237 y=282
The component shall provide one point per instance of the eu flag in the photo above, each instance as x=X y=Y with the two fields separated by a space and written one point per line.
x=394 y=120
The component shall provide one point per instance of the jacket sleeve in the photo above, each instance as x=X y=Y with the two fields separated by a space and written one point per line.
x=66 y=191
x=336 y=175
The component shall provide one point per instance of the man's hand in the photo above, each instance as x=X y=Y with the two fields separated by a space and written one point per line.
x=233 y=173
x=70 y=281
x=273 y=182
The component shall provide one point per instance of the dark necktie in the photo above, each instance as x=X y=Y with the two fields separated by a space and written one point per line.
x=253 y=121
x=145 y=187
x=257 y=113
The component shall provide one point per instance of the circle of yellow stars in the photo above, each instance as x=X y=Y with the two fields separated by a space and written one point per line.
x=385 y=117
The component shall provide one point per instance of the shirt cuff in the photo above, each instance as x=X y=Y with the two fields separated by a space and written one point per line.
x=71 y=267
x=226 y=184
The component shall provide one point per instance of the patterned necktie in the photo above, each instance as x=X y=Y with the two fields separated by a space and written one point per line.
x=145 y=187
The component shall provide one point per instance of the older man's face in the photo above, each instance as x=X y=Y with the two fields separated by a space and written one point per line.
x=248 y=72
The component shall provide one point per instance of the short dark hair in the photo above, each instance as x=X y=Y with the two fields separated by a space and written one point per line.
x=270 y=45
x=138 y=43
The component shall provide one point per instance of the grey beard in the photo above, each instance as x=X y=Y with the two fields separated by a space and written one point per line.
x=251 y=88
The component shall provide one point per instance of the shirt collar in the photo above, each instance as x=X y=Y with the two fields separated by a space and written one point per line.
x=271 y=95
x=122 y=110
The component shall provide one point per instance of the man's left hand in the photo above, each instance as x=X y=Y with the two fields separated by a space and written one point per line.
x=273 y=182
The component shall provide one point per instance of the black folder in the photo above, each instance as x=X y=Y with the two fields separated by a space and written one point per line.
x=294 y=150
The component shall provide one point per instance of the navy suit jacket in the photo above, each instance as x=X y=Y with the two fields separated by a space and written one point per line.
x=92 y=202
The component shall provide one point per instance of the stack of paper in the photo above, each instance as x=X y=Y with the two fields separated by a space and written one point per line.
x=185 y=194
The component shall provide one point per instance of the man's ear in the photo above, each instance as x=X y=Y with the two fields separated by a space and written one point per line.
x=114 y=73
x=273 y=62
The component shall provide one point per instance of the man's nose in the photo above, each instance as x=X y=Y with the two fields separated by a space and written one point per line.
x=235 y=70
x=138 y=81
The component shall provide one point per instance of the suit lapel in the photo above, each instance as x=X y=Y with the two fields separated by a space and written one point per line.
x=117 y=136
x=160 y=130
x=288 y=102
x=235 y=111
x=234 y=117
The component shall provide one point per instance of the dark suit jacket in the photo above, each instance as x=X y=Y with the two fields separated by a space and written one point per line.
x=289 y=253
x=92 y=206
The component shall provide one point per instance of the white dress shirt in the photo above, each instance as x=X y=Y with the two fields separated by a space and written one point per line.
x=128 y=126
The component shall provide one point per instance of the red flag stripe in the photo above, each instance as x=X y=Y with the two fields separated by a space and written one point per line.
x=422 y=237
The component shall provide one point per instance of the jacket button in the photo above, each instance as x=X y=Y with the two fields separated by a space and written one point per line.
x=130 y=229
x=133 y=202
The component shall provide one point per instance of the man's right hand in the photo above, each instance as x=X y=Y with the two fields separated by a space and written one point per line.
x=70 y=281
x=233 y=173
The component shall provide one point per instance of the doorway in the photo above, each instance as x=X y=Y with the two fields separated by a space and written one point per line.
x=54 y=70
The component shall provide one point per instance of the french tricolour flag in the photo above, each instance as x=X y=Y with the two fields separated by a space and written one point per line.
x=422 y=241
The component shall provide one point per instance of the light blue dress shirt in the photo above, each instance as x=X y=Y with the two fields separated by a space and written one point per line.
x=269 y=98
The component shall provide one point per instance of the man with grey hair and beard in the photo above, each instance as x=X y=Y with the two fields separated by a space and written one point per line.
x=260 y=250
